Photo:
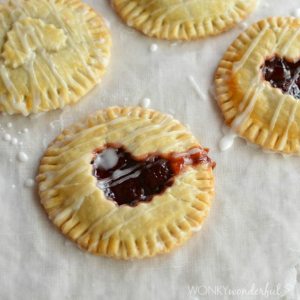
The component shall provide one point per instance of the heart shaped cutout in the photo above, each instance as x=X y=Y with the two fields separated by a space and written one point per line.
x=129 y=180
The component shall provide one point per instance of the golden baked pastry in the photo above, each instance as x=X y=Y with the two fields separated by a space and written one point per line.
x=183 y=19
x=53 y=53
x=258 y=84
x=126 y=183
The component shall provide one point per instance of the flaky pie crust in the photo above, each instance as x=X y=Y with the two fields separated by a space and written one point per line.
x=182 y=20
x=53 y=53
x=80 y=209
x=250 y=105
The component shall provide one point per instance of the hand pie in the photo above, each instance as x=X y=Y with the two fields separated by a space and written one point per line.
x=53 y=53
x=126 y=183
x=182 y=20
x=258 y=84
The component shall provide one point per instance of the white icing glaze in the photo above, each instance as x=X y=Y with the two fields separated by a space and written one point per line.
x=146 y=102
x=143 y=130
x=243 y=25
x=13 y=186
x=294 y=79
x=290 y=41
x=196 y=87
x=277 y=112
x=129 y=173
x=25 y=130
x=107 y=159
x=9 y=125
x=188 y=153
x=227 y=141
x=120 y=176
x=153 y=47
x=52 y=66
x=29 y=182
x=20 y=106
x=160 y=245
x=22 y=156
x=121 y=173
x=254 y=91
x=71 y=40
x=34 y=85
x=14 y=141
x=7 y=137
x=77 y=204
x=290 y=121
x=239 y=64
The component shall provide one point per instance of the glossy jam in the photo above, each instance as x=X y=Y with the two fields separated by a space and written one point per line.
x=283 y=74
x=129 y=180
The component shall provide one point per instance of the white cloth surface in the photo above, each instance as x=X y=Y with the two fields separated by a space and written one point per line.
x=251 y=238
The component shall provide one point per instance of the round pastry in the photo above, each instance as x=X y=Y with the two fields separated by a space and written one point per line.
x=258 y=84
x=126 y=183
x=53 y=53
x=183 y=20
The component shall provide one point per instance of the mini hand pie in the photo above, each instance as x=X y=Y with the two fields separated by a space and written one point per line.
x=127 y=183
x=53 y=53
x=258 y=84
x=183 y=20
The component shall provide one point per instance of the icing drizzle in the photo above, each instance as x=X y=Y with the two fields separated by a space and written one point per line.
x=129 y=180
x=28 y=47
x=256 y=87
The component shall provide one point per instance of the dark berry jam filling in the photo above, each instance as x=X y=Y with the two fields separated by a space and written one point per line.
x=283 y=74
x=129 y=180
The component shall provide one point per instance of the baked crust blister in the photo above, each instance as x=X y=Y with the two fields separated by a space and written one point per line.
x=53 y=53
x=183 y=20
x=80 y=209
x=253 y=108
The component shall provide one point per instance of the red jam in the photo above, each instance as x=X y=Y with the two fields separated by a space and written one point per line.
x=129 y=180
x=283 y=74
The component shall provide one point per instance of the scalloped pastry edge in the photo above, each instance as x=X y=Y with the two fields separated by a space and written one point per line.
x=168 y=236
x=251 y=129
x=139 y=18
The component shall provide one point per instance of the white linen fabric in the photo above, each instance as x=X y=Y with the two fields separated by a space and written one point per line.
x=248 y=246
